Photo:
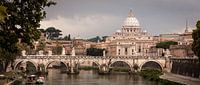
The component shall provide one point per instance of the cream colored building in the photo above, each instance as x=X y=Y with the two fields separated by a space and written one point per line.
x=131 y=40
x=184 y=38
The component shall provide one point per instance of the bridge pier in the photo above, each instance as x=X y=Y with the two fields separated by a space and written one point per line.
x=73 y=67
x=104 y=69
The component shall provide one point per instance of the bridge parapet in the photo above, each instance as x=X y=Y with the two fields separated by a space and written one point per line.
x=84 y=57
x=194 y=57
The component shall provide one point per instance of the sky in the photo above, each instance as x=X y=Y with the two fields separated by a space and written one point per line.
x=90 y=18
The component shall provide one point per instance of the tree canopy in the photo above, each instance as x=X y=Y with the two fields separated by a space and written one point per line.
x=95 y=52
x=165 y=45
x=3 y=13
x=95 y=39
x=196 y=38
x=57 y=50
x=52 y=33
x=67 y=37
x=20 y=25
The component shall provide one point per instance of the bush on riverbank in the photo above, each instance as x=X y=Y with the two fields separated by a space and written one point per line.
x=153 y=75
x=6 y=77
x=17 y=82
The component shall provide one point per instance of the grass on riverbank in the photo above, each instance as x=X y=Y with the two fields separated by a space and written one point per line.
x=153 y=75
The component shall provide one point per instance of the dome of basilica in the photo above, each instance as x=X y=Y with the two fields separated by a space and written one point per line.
x=131 y=20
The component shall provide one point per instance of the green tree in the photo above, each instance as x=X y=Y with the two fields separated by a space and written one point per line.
x=166 y=44
x=95 y=39
x=104 y=38
x=57 y=50
x=41 y=46
x=21 y=25
x=196 y=42
x=95 y=52
x=67 y=37
x=3 y=13
x=52 y=33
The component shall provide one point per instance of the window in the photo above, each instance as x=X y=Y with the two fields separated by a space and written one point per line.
x=119 y=51
x=126 y=51
x=139 y=50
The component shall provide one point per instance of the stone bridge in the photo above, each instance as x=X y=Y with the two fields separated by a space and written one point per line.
x=103 y=62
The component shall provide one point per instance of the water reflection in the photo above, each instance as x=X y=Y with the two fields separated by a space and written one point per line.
x=92 y=78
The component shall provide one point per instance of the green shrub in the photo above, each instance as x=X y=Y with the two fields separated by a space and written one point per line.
x=17 y=82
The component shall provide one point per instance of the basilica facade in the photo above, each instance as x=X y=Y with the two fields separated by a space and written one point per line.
x=131 y=40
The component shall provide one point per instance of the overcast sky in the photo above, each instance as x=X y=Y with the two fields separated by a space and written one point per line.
x=89 y=18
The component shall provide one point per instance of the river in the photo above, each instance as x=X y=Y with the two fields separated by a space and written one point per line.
x=92 y=78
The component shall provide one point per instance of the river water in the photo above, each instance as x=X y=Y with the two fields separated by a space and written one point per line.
x=92 y=78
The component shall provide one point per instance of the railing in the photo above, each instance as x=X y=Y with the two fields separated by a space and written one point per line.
x=85 y=57
x=186 y=57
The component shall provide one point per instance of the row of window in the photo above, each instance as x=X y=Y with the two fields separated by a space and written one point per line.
x=126 y=51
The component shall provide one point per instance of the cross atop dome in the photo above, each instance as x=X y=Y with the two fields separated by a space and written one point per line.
x=130 y=14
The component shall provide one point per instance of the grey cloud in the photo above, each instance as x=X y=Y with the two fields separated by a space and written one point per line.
x=155 y=16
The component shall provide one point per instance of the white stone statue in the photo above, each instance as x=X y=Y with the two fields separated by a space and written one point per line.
x=104 y=53
x=49 y=52
x=73 y=52
x=167 y=53
x=41 y=52
x=23 y=52
x=63 y=51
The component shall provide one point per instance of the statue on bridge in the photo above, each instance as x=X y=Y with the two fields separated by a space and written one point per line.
x=63 y=50
x=73 y=52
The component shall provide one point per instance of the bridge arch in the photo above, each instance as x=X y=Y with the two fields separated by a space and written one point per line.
x=21 y=61
x=91 y=61
x=124 y=62
x=152 y=64
x=50 y=62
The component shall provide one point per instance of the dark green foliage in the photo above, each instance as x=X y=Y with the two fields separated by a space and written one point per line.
x=98 y=39
x=196 y=42
x=165 y=45
x=30 y=68
x=41 y=46
x=3 y=13
x=95 y=52
x=151 y=74
x=57 y=50
x=95 y=39
x=88 y=68
x=104 y=38
x=23 y=19
x=67 y=37
x=17 y=82
x=52 y=33
x=120 y=69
